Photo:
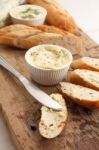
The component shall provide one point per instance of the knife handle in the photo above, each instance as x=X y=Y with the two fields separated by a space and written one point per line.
x=7 y=66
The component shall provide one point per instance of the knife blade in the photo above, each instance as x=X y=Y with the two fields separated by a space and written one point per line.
x=36 y=92
x=39 y=95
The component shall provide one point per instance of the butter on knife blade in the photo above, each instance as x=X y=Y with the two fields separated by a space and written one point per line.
x=39 y=95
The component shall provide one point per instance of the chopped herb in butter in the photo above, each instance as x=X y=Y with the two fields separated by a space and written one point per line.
x=49 y=58
x=31 y=11
x=28 y=12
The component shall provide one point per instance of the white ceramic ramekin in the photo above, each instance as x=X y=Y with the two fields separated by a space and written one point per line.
x=31 y=22
x=47 y=77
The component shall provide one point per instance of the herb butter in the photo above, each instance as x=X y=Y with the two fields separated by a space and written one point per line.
x=29 y=12
x=49 y=57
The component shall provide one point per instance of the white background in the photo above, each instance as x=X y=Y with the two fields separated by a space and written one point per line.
x=86 y=14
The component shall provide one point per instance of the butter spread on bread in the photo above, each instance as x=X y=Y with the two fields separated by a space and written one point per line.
x=52 y=122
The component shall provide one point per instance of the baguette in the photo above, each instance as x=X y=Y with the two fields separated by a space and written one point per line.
x=52 y=29
x=25 y=37
x=53 y=122
x=81 y=95
x=57 y=15
x=86 y=78
x=86 y=63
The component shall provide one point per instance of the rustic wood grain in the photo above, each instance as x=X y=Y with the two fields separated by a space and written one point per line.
x=20 y=110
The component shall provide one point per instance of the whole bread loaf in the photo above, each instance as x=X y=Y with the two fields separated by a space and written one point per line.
x=25 y=37
x=81 y=95
x=52 y=122
x=86 y=78
x=57 y=15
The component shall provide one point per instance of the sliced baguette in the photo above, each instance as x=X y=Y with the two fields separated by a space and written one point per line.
x=86 y=78
x=86 y=63
x=53 y=122
x=80 y=95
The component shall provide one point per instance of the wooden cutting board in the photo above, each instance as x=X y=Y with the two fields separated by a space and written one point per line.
x=21 y=112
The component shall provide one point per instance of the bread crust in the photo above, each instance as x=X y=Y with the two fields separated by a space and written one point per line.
x=40 y=38
x=52 y=29
x=83 y=102
x=80 y=64
x=74 y=78
x=52 y=122
x=25 y=37
x=57 y=15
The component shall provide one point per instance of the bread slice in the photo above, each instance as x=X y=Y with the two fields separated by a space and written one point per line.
x=52 y=121
x=25 y=37
x=86 y=63
x=86 y=78
x=81 y=95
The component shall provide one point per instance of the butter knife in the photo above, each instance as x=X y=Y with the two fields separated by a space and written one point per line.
x=36 y=92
